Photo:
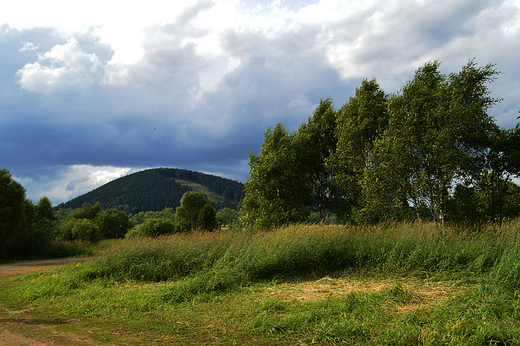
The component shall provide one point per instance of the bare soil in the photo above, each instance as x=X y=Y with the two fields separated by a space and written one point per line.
x=20 y=268
x=21 y=328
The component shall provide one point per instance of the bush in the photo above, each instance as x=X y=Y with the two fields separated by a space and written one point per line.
x=207 y=219
x=156 y=227
x=113 y=223
x=86 y=230
x=133 y=233
x=64 y=230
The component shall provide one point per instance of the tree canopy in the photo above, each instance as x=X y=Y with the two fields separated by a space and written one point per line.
x=419 y=154
x=26 y=229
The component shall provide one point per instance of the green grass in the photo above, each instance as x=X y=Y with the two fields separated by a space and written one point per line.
x=396 y=284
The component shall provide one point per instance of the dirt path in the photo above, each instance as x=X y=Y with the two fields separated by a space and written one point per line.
x=20 y=268
x=20 y=328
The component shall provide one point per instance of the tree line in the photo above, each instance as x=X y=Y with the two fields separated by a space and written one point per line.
x=430 y=152
x=29 y=230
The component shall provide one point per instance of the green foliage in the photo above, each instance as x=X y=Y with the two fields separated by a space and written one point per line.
x=155 y=228
x=385 y=185
x=277 y=191
x=107 y=224
x=501 y=164
x=26 y=229
x=207 y=219
x=85 y=230
x=394 y=158
x=12 y=204
x=37 y=229
x=361 y=121
x=87 y=211
x=195 y=212
x=64 y=231
x=227 y=216
x=166 y=213
x=316 y=142
x=113 y=224
x=441 y=124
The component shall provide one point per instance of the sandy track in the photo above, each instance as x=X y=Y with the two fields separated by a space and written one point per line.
x=45 y=262
x=20 y=268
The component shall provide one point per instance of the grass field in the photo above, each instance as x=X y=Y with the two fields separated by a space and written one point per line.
x=396 y=284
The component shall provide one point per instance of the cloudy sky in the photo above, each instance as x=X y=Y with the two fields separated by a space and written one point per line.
x=92 y=90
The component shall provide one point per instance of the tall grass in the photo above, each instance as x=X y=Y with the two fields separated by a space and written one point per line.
x=188 y=274
x=207 y=262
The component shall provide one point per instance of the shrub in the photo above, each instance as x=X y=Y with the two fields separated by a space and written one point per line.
x=113 y=223
x=86 y=230
x=156 y=227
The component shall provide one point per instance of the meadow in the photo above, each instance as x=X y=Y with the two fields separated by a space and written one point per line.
x=391 y=284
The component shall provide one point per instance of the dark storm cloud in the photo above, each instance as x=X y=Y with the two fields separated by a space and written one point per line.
x=200 y=94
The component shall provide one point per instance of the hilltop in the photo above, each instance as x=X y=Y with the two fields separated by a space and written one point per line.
x=158 y=188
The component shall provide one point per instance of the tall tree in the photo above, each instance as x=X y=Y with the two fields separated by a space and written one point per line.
x=12 y=205
x=440 y=124
x=360 y=122
x=316 y=142
x=385 y=182
x=277 y=190
x=502 y=164
x=207 y=219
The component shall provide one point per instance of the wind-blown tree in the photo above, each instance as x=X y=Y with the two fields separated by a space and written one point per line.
x=385 y=182
x=317 y=142
x=277 y=190
x=360 y=122
x=439 y=125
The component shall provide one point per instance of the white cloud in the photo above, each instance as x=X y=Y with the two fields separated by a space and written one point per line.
x=64 y=67
x=211 y=76
x=71 y=181
x=28 y=46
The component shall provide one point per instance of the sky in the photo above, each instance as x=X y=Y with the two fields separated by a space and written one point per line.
x=93 y=90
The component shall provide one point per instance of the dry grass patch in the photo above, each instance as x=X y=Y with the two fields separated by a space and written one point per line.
x=425 y=294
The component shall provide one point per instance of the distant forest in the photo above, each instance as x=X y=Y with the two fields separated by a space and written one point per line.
x=159 y=188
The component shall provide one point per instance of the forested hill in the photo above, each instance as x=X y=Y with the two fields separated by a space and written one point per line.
x=156 y=189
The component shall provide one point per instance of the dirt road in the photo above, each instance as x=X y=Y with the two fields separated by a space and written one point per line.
x=19 y=268
x=20 y=328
